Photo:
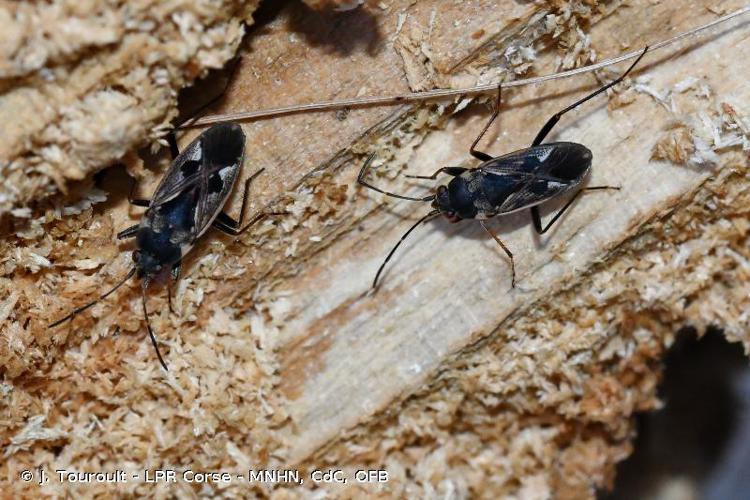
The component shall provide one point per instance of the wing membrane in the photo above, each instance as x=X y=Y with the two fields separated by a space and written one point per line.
x=210 y=164
x=538 y=173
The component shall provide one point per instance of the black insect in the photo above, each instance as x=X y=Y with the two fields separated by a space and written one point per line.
x=509 y=183
x=186 y=203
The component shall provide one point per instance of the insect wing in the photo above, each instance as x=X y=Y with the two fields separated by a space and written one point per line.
x=538 y=173
x=223 y=150
x=210 y=164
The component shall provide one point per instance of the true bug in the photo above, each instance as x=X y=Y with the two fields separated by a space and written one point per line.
x=509 y=183
x=187 y=201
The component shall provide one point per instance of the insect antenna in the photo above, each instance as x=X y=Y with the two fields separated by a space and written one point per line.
x=79 y=310
x=427 y=217
x=150 y=331
x=361 y=180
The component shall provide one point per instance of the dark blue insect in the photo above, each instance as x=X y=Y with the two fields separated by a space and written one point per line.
x=186 y=203
x=509 y=183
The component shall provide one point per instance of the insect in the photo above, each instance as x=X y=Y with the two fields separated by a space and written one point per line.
x=505 y=184
x=187 y=201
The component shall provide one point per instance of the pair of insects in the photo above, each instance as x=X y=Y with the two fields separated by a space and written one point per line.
x=189 y=199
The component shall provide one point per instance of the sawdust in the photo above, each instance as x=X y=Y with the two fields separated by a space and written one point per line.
x=675 y=146
x=87 y=82
x=549 y=398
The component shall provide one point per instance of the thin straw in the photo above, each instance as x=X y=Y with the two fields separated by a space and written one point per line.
x=443 y=93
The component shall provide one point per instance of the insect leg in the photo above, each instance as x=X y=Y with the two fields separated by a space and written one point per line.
x=245 y=196
x=361 y=180
x=187 y=121
x=138 y=202
x=507 y=252
x=128 y=233
x=427 y=217
x=174 y=150
x=151 y=332
x=478 y=154
x=169 y=297
x=538 y=219
x=556 y=117
x=454 y=171
x=175 y=276
x=79 y=310
x=228 y=225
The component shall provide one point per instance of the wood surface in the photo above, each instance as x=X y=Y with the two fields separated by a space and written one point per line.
x=344 y=354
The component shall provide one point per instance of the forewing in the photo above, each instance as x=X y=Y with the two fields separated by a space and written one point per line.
x=181 y=174
x=210 y=164
x=538 y=162
x=539 y=173
x=223 y=149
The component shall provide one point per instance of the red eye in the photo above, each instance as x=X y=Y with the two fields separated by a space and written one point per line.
x=451 y=216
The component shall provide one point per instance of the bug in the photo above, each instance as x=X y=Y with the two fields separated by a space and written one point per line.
x=186 y=203
x=501 y=185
